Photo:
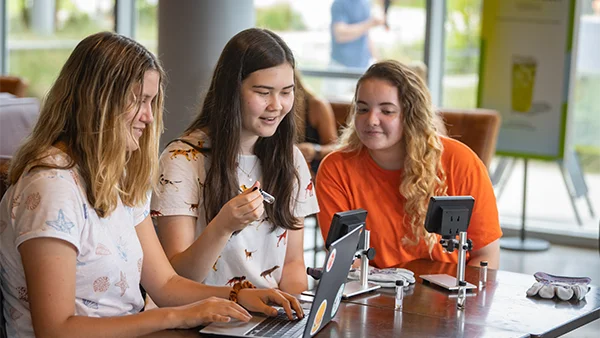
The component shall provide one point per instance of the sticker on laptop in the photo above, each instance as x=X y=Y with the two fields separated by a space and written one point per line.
x=337 y=301
x=319 y=317
x=330 y=260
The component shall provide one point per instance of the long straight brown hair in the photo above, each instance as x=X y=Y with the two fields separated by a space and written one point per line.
x=221 y=118
x=86 y=110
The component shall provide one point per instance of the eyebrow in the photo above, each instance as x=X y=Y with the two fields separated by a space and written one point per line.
x=271 y=88
x=381 y=104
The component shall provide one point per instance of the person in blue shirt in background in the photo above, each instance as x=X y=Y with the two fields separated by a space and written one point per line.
x=351 y=46
x=351 y=21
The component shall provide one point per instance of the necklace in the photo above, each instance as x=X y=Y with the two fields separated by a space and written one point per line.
x=248 y=174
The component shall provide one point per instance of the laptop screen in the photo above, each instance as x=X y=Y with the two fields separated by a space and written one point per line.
x=331 y=285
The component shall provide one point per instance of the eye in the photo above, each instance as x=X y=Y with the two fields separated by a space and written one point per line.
x=362 y=110
x=286 y=93
x=387 y=112
x=262 y=93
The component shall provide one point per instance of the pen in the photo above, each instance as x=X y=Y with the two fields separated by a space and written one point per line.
x=266 y=196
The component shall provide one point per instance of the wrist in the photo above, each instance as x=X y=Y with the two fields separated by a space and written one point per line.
x=317 y=147
x=221 y=227
x=169 y=316
x=237 y=287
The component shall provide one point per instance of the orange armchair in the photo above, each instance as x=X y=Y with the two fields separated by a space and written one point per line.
x=13 y=85
x=477 y=128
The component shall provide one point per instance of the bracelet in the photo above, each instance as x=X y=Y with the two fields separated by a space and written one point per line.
x=233 y=294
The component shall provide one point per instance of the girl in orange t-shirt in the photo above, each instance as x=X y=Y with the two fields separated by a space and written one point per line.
x=392 y=161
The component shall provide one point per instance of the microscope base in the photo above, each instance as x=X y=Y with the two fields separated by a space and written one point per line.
x=355 y=288
x=446 y=281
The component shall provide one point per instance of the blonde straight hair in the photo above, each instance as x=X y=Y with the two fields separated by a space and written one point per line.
x=423 y=174
x=85 y=112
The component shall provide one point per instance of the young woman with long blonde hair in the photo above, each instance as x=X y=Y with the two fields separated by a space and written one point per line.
x=76 y=236
x=392 y=160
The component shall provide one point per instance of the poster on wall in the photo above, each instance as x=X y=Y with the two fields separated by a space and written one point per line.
x=525 y=73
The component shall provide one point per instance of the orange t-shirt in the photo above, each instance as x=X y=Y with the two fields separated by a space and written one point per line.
x=352 y=180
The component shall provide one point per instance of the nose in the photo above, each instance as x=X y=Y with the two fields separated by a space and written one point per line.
x=275 y=103
x=372 y=118
x=146 y=114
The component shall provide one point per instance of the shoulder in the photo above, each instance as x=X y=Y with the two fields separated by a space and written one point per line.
x=341 y=163
x=181 y=148
x=460 y=162
x=456 y=151
x=41 y=174
x=342 y=157
x=197 y=137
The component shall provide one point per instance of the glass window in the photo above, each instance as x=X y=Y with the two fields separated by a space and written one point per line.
x=146 y=29
x=306 y=26
x=42 y=34
x=463 y=27
x=586 y=112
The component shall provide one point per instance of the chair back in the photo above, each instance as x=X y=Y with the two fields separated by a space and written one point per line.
x=477 y=128
x=13 y=85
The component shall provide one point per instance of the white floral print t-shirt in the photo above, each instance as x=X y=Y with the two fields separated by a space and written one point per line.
x=256 y=253
x=52 y=203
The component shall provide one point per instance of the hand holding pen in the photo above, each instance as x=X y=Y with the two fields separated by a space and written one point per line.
x=266 y=196
x=241 y=210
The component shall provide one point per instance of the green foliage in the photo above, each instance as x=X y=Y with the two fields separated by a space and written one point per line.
x=280 y=17
x=147 y=21
x=38 y=67
x=459 y=96
x=462 y=40
x=408 y=3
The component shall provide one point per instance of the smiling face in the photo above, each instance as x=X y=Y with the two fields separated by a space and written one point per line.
x=267 y=97
x=378 y=119
x=136 y=121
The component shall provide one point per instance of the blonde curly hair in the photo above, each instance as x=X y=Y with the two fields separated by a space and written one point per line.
x=423 y=175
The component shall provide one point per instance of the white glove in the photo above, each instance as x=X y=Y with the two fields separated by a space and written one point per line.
x=548 y=286
x=385 y=277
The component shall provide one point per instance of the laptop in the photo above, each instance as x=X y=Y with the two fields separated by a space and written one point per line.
x=326 y=302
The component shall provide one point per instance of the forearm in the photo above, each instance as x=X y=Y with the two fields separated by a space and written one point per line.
x=197 y=260
x=489 y=253
x=327 y=149
x=349 y=32
x=181 y=291
x=293 y=278
x=124 y=326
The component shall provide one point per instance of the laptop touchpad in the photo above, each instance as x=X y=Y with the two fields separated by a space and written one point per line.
x=234 y=327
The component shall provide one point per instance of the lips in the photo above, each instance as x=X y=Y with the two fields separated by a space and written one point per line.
x=372 y=132
x=138 y=131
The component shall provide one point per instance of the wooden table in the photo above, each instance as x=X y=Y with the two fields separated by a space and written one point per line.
x=501 y=309
x=502 y=304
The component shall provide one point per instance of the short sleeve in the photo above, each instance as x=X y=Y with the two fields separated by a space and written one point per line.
x=140 y=213
x=338 y=13
x=331 y=191
x=179 y=186
x=49 y=205
x=306 y=198
x=470 y=177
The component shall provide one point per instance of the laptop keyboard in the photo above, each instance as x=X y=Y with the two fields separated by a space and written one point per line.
x=280 y=326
